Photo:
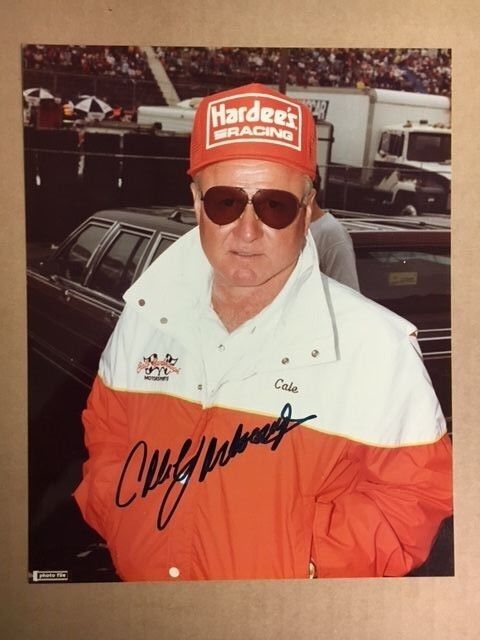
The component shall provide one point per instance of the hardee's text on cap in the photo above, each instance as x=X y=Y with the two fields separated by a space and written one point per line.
x=255 y=122
x=257 y=116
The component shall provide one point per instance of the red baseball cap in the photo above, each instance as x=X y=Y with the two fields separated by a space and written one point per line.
x=256 y=122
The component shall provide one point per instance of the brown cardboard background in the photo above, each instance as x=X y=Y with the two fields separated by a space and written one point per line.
x=389 y=608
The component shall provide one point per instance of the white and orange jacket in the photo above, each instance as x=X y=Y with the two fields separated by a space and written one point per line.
x=310 y=436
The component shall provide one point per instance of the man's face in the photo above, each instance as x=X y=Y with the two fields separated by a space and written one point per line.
x=247 y=252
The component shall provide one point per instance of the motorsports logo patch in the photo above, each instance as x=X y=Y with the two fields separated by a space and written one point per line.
x=254 y=117
x=156 y=369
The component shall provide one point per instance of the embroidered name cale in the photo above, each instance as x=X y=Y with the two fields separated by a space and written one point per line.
x=281 y=384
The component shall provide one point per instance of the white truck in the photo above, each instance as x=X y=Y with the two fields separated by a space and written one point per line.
x=391 y=149
x=178 y=118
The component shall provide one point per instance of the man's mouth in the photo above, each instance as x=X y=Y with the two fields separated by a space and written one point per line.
x=245 y=254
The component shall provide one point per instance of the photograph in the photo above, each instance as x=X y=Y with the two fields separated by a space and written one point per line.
x=238 y=281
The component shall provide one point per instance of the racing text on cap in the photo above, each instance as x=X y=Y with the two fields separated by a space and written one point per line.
x=254 y=117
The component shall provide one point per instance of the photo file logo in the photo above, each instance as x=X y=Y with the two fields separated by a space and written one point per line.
x=50 y=576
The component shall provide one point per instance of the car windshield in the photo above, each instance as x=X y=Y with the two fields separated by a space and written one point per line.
x=429 y=147
x=413 y=283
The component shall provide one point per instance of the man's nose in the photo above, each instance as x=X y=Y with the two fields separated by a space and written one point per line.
x=249 y=226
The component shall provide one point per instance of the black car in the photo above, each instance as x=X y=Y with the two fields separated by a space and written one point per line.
x=75 y=290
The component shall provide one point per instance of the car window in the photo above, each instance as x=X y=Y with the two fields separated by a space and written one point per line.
x=73 y=259
x=408 y=282
x=114 y=273
x=161 y=246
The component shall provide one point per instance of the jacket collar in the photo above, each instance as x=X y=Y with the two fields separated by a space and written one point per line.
x=173 y=290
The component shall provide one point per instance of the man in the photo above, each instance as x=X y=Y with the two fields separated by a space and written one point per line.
x=336 y=255
x=253 y=418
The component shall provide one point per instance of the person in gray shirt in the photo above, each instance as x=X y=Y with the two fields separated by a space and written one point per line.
x=336 y=255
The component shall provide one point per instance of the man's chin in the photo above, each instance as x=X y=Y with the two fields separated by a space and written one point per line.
x=246 y=278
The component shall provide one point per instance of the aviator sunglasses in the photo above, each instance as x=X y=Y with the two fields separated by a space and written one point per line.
x=274 y=207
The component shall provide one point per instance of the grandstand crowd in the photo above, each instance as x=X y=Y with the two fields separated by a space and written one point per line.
x=122 y=76
x=425 y=70
x=126 y=62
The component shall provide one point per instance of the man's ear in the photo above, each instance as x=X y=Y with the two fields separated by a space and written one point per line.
x=309 y=200
x=197 y=202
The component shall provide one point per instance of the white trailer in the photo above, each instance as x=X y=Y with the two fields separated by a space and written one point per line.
x=360 y=115
x=397 y=130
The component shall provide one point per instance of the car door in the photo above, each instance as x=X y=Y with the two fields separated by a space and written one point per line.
x=97 y=305
x=75 y=303
x=128 y=253
x=52 y=328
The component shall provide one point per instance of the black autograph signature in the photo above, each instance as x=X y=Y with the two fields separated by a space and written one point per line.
x=153 y=470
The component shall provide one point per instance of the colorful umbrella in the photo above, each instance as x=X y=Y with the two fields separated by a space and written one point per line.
x=92 y=108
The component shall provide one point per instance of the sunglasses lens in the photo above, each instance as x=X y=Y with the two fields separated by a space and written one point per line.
x=275 y=208
x=224 y=204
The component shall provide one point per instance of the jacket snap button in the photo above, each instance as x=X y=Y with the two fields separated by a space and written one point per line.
x=163 y=320
x=314 y=353
x=173 y=572
x=221 y=347
x=141 y=302
x=285 y=360
x=199 y=387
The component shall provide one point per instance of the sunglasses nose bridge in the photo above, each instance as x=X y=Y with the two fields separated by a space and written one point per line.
x=249 y=201
x=249 y=226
